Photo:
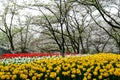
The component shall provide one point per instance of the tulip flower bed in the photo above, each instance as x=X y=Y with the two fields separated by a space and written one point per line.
x=9 y=55
x=20 y=60
x=91 y=67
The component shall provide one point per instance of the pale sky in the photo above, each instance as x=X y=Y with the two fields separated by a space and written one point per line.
x=25 y=11
x=34 y=12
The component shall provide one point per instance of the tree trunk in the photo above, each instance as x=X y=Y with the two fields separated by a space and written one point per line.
x=11 y=45
x=83 y=49
x=119 y=47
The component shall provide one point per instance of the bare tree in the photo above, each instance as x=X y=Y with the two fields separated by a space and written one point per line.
x=104 y=8
x=24 y=33
x=60 y=17
x=110 y=31
x=7 y=27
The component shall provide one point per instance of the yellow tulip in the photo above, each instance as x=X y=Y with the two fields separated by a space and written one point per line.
x=105 y=74
x=57 y=78
x=15 y=72
x=89 y=77
x=25 y=71
x=40 y=75
x=84 y=69
x=30 y=74
x=2 y=73
x=53 y=74
x=20 y=72
x=34 y=78
x=95 y=73
x=3 y=77
x=14 y=77
x=94 y=79
x=7 y=77
x=46 y=75
x=23 y=76
x=47 y=71
x=73 y=75
x=78 y=72
x=84 y=78
x=100 y=77
x=73 y=71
